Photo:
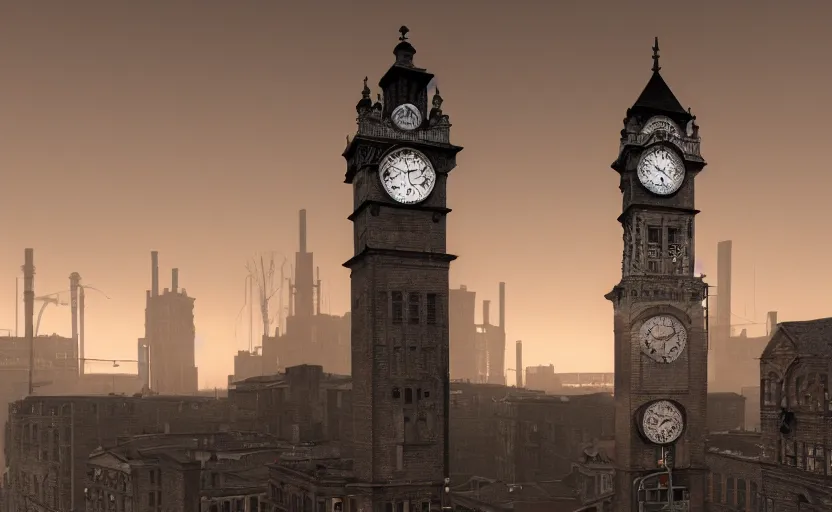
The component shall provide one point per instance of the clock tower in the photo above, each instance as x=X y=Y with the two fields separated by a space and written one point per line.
x=398 y=164
x=660 y=334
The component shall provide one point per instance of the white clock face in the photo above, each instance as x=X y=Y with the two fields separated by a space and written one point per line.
x=662 y=422
x=663 y=338
x=661 y=171
x=406 y=117
x=407 y=176
x=661 y=123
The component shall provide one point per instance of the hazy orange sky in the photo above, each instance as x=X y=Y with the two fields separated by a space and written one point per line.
x=199 y=128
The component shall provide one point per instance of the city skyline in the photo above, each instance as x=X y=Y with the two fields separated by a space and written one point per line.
x=220 y=130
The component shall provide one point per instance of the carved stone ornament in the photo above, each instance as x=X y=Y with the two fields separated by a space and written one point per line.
x=638 y=246
x=626 y=260
x=364 y=156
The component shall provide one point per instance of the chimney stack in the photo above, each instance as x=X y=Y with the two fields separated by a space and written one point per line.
x=74 y=282
x=303 y=231
x=723 y=291
x=519 y=363
x=154 y=269
x=29 y=309
x=486 y=306
x=771 y=322
x=503 y=306
x=174 y=284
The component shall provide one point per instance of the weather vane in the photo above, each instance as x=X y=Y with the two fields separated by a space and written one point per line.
x=656 y=66
x=403 y=31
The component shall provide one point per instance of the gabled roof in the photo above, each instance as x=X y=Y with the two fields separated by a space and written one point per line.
x=658 y=96
x=809 y=338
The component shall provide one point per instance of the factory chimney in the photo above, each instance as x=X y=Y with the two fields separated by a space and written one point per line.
x=174 y=284
x=74 y=284
x=519 y=363
x=304 y=286
x=486 y=306
x=723 y=291
x=771 y=322
x=503 y=307
x=29 y=310
x=154 y=276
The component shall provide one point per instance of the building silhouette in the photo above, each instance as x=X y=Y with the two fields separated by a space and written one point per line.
x=168 y=343
x=660 y=333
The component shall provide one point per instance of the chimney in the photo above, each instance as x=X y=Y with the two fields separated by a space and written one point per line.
x=74 y=282
x=519 y=363
x=174 y=280
x=771 y=322
x=503 y=306
x=154 y=269
x=723 y=290
x=486 y=306
x=29 y=308
x=303 y=231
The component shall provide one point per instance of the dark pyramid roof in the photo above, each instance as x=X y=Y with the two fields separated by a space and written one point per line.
x=658 y=96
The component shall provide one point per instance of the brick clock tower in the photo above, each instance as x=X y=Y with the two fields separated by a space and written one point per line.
x=660 y=333
x=398 y=165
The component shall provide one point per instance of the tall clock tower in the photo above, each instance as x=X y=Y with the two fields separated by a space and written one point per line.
x=398 y=165
x=660 y=335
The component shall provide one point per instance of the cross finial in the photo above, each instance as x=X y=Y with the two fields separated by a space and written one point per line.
x=656 y=66
x=403 y=31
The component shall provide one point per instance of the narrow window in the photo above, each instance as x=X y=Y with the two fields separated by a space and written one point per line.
x=399 y=457
x=398 y=307
x=408 y=395
x=431 y=313
x=717 y=488
x=413 y=303
x=654 y=248
x=741 y=496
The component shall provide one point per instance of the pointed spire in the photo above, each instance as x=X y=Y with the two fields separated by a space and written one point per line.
x=656 y=66
x=364 y=103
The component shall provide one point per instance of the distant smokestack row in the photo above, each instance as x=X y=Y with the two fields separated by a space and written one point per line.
x=486 y=307
x=302 y=231
x=154 y=269
x=503 y=307
x=519 y=362
x=174 y=280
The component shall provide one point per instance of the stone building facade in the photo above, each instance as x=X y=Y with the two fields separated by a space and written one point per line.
x=735 y=472
x=795 y=417
x=51 y=438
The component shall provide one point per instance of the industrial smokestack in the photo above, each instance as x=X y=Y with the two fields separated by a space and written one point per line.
x=81 y=307
x=29 y=309
x=74 y=281
x=154 y=273
x=771 y=322
x=503 y=306
x=302 y=231
x=174 y=280
x=519 y=363
x=723 y=290
x=486 y=307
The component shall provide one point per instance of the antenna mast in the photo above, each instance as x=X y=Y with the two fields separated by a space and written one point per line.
x=262 y=270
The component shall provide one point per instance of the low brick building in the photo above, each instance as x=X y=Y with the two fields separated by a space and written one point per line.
x=795 y=417
x=726 y=412
x=51 y=437
x=735 y=476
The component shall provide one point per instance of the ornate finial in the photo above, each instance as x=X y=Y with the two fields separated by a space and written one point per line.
x=656 y=66
x=437 y=99
x=365 y=93
x=403 y=31
x=690 y=113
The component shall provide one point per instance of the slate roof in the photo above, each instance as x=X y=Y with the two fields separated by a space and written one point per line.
x=810 y=337
x=658 y=96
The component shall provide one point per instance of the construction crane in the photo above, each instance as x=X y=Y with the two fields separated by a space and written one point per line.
x=52 y=298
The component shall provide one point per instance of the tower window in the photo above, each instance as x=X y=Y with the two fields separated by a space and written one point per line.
x=431 y=313
x=413 y=308
x=654 y=248
x=673 y=236
x=408 y=395
x=398 y=307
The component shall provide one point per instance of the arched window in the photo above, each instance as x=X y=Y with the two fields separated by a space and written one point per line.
x=771 y=389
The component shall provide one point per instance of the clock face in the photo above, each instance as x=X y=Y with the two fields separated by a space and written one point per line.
x=661 y=171
x=407 y=176
x=663 y=338
x=661 y=123
x=662 y=422
x=406 y=117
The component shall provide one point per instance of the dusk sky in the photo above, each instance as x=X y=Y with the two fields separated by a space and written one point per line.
x=200 y=128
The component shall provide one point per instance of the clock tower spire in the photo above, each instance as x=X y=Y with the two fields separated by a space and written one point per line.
x=660 y=333
x=398 y=164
